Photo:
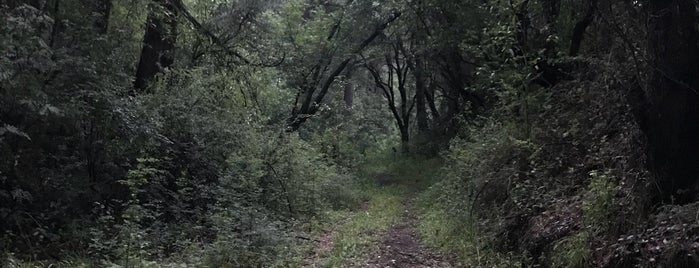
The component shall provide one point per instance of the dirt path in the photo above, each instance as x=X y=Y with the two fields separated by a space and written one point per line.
x=402 y=246
x=381 y=234
x=323 y=247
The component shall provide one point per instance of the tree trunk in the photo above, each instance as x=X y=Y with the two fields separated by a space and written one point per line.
x=158 y=42
x=310 y=100
x=429 y=95
x=404 y=139
x=673 y=100
x=551 y=10
x=420 y=97
x=102 y=8
x=522 y=24
x=580 y=27
x=57 y=27
x=348 y=94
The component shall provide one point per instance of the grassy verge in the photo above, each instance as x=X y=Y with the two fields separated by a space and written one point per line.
x=359 y=231
x=445 y=224
x=457 y=236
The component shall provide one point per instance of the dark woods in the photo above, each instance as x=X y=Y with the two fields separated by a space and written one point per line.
x=132 y=132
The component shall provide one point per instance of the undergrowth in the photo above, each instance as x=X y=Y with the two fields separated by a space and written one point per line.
x=360 y=230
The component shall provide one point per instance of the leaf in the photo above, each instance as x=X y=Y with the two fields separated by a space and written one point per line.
x=13 y=130
x=50 y=109
x=21 y=195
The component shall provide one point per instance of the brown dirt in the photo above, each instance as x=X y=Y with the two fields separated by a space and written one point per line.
x=402 y=247
x=324 y=246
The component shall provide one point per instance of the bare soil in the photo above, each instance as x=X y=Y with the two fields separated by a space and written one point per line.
x=402 y=246
x=324 y=246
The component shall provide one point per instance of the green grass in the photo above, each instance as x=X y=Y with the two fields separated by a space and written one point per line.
x=10 y=261
x=573 y=251
x=362 y=230
x=445 y=224
x=454 y=235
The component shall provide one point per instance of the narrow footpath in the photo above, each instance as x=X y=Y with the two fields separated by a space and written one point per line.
x=402 y=247
x=382 y=234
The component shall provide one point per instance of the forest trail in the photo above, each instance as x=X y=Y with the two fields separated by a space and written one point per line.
x=382 y=234
x=402 y=246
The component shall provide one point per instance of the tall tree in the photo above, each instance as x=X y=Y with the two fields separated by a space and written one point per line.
x=391 y=77
x=417 y=65
x=319 y=79
x=348 y=92
x=158 y=42
x=673 y=98
x=101 y=12
x=581 y=26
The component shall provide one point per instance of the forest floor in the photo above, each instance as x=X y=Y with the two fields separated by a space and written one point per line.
x=382 y=233
x=402 y=246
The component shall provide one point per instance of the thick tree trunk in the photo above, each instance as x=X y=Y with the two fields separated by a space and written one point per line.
x=551 y=8
x=158 y=42
x=673 y=99
x=348 y=91
x=57 y=27
x=522 y=24
x=580 y=27
x=103 y=9
x=420 y=98
x=429 y=95
x=348 y=95
x=404 y=139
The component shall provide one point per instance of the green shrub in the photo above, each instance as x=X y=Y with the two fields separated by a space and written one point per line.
x=573 y=251
x=599 y=208
x=599 y=212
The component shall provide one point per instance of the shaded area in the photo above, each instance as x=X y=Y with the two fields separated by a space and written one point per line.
x=402 y=246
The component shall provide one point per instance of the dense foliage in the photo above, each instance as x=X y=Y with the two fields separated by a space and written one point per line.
x=228 y=133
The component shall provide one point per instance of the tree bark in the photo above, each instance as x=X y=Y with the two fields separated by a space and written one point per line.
x=580 y=27
x=522 y=24
x=673 y=100
x=420 y=95
x=552 y=9
x=404 y=139
x=158 y=42
x=57 y=27
x=102 y=10
x=348 y=93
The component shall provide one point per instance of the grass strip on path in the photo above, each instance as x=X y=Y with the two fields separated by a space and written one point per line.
x=359 y=231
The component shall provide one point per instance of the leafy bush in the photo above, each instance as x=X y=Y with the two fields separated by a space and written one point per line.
x=186 y=173
x=573 y=251
x=471 y=185
x=599 y=206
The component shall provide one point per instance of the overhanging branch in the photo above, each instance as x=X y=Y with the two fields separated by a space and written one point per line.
x=299 y=116
x=213 y=37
